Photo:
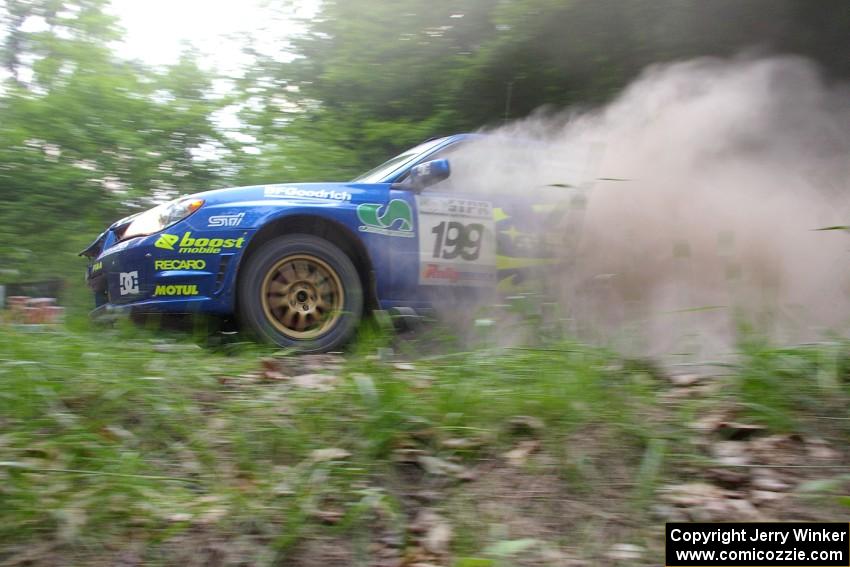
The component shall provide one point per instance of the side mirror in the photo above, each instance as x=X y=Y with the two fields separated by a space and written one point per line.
x=428 y=173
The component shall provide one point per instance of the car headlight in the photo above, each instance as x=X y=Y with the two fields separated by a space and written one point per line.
x=162 y=216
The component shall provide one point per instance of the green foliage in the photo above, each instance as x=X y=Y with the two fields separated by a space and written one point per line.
x=99 y=441
x=373 y=78
x=779 y=385
x=156 y=439
x=85 y=137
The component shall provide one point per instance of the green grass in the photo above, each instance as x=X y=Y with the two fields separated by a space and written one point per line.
x=106 y=440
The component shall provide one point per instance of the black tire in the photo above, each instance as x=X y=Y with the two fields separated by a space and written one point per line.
x=280 y=265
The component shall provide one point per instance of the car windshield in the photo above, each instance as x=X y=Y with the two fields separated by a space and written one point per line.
x=393 y=164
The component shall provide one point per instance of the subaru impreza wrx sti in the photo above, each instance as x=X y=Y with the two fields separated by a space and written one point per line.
x=299 y=264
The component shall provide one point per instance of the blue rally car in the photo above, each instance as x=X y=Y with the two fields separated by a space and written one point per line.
x=299 y=264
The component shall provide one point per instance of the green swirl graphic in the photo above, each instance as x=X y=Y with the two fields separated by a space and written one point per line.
x=397 y=215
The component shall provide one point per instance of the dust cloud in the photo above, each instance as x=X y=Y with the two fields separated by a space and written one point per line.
x=689 y=205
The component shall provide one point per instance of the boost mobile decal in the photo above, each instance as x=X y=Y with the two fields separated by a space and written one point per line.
x=190 y=245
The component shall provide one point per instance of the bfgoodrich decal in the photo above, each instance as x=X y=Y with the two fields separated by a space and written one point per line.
x=278 y=192
x=191 y=245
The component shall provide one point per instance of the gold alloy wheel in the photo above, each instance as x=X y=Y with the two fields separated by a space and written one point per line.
x=302 y=296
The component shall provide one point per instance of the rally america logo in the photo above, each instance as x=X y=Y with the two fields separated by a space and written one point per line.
x=396 y=220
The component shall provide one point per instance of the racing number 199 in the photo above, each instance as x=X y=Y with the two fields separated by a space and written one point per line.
x=456 y=239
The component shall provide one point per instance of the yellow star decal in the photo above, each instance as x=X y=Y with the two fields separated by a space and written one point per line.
x=499 y=215
x=512 y=233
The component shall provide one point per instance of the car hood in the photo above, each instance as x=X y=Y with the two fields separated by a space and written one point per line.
x=289 y=193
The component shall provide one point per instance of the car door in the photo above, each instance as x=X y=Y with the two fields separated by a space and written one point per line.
x=502 y=237
x=450 y=251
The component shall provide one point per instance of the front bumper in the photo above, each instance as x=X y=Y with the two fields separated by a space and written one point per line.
x=150 y=274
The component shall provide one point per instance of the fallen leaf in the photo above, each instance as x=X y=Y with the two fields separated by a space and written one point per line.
x=709 y=422
x=320 y=382
x=460 y=443
x=766 y=479
x=735 y=431
x=328 y=516
x=437 y=538
x=764 y=496
x=173 y=347
x=731 y=452
x=526 y=424
x=692 y=493
x=439 y=467
x=819 y=449
x=407 y=455
x=213 y=515
x=329 y=454
x=518 y=456
x=684 y=380
x=511 y=547
x=729 y=477
x=625 y=552
x=272 y=376
x=743 y=509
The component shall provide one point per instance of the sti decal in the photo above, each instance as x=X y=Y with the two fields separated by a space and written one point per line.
x=225 y=220
x=396 y=220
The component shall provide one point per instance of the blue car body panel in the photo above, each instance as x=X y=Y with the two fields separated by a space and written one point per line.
x=193 y=265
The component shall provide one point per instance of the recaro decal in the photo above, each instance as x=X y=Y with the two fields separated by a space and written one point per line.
x=396 y=220
x=179 y=264
x=176 y=290
x=191 y=245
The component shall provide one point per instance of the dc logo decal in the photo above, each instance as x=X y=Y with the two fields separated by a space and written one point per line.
x=128 y=283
